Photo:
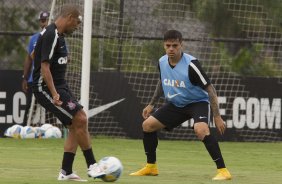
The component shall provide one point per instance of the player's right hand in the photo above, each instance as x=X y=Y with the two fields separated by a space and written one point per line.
x=56 y=100
x=24 y=85
x=147 y=111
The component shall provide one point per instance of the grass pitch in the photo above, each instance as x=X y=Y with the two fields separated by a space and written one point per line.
x=37 y=161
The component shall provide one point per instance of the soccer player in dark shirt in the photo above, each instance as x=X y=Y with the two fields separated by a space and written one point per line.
x=52 y=92
x=189 y=94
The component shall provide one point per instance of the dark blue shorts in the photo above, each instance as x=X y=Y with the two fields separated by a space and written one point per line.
x=172 y=116
x=66 y=111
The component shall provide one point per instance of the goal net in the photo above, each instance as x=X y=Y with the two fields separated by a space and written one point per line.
x=127 y=39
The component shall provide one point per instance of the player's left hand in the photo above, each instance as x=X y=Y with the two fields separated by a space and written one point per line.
x=220 y=124
x=147 y=110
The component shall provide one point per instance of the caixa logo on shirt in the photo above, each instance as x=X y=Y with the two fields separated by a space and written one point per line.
x=63 y=60
x=174 y=83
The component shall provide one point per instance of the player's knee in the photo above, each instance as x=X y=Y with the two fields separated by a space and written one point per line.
x=201 y=131
x=80 y=120
x=147 y=127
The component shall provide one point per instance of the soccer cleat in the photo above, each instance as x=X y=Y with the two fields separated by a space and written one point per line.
x=222 y=174
x=70 y=177
x=95 y=171
x=148 y=170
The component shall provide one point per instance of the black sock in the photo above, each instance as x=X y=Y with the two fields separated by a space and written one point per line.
x=89 y=157
x=67 y=162
x=150 y=142
x=213 y=148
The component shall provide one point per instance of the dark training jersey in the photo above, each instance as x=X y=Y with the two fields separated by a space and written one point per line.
x=51 y=48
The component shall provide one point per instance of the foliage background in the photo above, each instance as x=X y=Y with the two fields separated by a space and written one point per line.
x=244 y=56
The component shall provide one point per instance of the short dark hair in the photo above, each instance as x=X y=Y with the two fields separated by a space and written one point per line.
x=68 y=9
x=172 y=35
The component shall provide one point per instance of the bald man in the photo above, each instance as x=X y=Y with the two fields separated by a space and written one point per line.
x=52 y=92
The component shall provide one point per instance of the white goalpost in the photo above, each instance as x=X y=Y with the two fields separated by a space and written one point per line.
x=86 y=54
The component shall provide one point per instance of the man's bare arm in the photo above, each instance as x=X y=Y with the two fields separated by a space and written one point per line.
x=157 y=94
x=215 y=109
x=149 y=108
x=26 y=72
x=213 y=100
x=27 y=67
x=48 y=79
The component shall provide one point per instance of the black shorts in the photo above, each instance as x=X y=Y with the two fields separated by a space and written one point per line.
x=66 y=111
x=172 y=116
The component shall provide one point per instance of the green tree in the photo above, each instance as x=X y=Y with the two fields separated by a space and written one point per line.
x=247 y=58
x=13 y=47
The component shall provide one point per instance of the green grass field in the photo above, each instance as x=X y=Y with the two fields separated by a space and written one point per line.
x=38 y=161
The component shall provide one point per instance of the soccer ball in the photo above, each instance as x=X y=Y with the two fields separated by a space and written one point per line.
x=28 y=132
x=15 y=131
x=38 y=132
x=44 y=128
x=7 y=132
x=112 y=167
x=53 y=132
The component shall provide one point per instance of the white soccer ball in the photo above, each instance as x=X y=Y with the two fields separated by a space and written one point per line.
x=113 y=168
x=38 y=132
x=15 y=131
x=7 y=132
x=53 y=132
x=44 y=128
x=28 y=132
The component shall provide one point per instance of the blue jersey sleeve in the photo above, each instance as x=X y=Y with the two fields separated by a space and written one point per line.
x=32 y=43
